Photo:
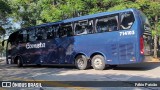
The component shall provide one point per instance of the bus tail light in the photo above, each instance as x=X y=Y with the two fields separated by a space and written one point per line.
x=141 y=45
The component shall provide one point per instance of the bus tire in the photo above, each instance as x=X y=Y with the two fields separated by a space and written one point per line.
x=19 y=62
x=98 y=62
x=81 y=62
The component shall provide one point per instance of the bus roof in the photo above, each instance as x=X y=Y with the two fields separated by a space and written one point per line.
x=76 y=19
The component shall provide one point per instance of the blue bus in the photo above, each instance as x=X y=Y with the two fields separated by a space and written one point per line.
x=97 y=40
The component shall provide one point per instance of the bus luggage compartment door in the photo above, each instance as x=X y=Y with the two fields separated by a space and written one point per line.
x=127 y=51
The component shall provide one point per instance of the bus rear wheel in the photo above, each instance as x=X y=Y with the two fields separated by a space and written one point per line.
x=19 y=62
x=98 y=62
x=81 y=62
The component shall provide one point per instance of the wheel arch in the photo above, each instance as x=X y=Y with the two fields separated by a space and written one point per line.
x=16 y=58
x=80 y=54
x=97 y=53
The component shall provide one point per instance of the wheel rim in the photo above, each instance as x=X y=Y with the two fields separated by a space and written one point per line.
x=80 y=63
x=97 y=62
x=18 y=61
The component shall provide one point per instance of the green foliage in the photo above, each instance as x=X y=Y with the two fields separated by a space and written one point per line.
x=2 y=31
x=4 y=9
x=25 y=11
x=34 y=12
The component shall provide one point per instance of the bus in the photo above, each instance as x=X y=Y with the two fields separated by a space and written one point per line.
x=97 y=40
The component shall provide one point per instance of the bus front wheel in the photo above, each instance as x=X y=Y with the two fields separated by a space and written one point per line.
x=19 y=62
x=98 y=62
x=81 y=62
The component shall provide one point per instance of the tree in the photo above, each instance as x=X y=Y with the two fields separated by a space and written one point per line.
x=34 y=12
x=4 y=11
x=26 y=12
x=2 y=31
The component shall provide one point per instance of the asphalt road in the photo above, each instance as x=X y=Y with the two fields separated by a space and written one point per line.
x=148 y=71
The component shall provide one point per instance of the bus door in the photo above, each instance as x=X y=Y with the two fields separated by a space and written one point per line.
x=127 y=38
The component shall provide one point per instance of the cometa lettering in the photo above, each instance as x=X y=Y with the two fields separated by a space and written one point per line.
x=38 y=45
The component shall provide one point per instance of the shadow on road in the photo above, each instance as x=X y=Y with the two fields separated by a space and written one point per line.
x=69 y=73
x=132 y=67
x=139 y=66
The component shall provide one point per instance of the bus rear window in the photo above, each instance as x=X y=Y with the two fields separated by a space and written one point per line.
x=127 y=20
x=145 y=22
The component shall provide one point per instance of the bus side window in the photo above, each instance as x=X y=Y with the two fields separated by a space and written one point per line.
x=107 y=24
x=20 y=37
x=70 y=31
x=127 y=20
x=41 y=34
x=55 y=31
x=62 y=32
x=16 y=38
x=67 y=29
x=78 y=29
x=90 y=27
x=32 y=36
x=113 y=23
x=101 y=25
x=24 y=36
x=81 y=27
x=51 y=32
